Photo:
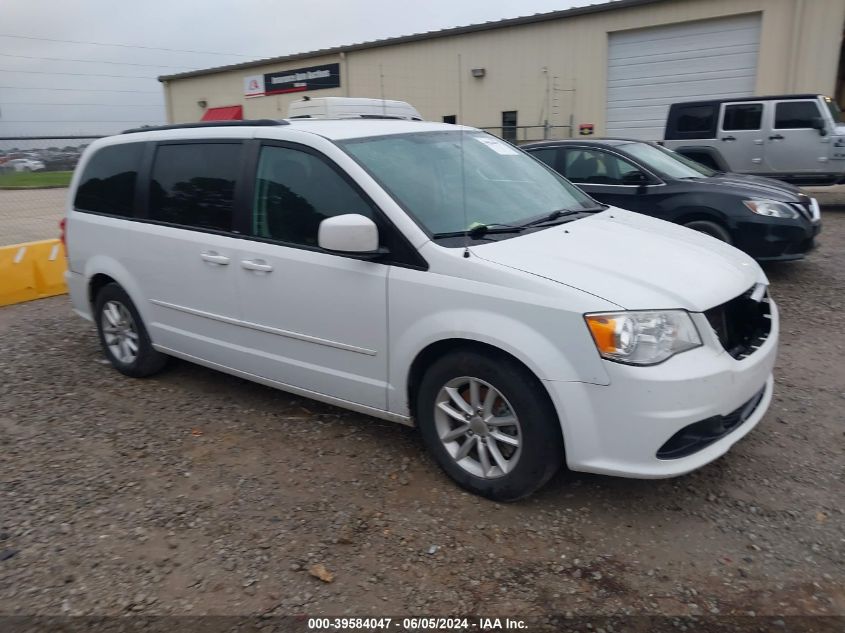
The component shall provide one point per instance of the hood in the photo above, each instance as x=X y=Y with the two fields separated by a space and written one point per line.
x=753 y=187
x=634 y=261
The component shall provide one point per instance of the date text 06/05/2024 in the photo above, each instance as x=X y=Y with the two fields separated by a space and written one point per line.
x=416 y=624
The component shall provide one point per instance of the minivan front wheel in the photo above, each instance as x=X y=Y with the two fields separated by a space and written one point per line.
x=123 y=337
x=489 y=424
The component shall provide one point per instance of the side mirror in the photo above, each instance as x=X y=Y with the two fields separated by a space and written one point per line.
x=818 y=124
x=635 y=178
x=349 y=233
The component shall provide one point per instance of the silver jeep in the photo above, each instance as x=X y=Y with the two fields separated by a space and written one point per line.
x=796 y=138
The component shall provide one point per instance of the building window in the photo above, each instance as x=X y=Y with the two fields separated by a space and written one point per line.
x=450 y=118
x=509 y=125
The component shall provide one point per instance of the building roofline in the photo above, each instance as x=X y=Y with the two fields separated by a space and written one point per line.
x=416 y=37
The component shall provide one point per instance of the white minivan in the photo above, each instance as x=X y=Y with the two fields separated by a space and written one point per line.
x=429 y=274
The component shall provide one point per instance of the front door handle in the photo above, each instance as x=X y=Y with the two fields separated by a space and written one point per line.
x=258 y=265
x=776 y=137
x=728 y=138
x=213 y=257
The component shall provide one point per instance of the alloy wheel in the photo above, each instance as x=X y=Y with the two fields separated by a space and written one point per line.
x=119 y=331
x=478 y=427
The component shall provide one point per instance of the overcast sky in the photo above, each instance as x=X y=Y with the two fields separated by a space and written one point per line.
x=45 y=89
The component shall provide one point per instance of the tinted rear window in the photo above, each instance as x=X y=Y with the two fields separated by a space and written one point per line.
x=696 y=118
x=108 y=182
x=193 y=184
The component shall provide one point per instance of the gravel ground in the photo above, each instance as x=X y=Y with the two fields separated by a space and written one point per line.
x=198 y=493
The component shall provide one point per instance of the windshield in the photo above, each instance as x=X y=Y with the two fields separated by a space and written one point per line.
x=835 y=112
x=666 y=162
x=431 y=174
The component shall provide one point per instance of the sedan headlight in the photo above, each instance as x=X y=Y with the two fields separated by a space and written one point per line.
x=642 y=338
x=771 y=208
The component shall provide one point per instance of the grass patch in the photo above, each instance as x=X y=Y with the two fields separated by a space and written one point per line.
x=35 y=179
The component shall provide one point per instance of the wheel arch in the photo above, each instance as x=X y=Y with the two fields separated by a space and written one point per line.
x=697 y=213
x=715 y=157
x=101 y=270
x=97 y=283
x=435 y=350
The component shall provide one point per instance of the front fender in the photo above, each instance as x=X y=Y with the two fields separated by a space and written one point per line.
x=571 y=358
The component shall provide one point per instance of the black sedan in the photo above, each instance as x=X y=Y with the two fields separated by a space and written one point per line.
x=768 y=219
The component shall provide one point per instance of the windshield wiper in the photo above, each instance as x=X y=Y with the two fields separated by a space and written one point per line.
x=480 y=230
x=561 y=213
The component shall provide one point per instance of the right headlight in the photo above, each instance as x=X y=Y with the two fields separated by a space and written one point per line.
x=642 y=337
x=771 y=208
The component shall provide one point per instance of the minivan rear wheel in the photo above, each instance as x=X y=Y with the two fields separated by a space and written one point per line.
x=710 y=228
x=123 y=337
x=489 y=424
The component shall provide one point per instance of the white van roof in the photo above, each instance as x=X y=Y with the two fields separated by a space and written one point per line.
x=351 y=108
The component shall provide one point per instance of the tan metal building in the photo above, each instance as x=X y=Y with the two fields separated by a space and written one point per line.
x=614 y=66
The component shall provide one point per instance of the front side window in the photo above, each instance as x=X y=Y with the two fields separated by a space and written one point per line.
x=108 y=182
x=595 y=167
x=451 y=181
x=547 y=154
x=193 y=184
x=297 y=190
x=742 y=116
x=795 y=114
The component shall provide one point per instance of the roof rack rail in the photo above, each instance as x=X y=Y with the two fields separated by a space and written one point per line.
x=201 y=124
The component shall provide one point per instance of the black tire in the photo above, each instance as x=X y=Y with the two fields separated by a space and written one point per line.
x=710 y=228
x=541 y=450
x=147 y=361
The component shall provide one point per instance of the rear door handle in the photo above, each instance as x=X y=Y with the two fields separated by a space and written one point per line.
x=256 y=264
x=728 y=138
x=213 y=257
x=776 y=137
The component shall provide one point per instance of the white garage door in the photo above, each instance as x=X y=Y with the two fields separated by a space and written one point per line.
x=648 y=69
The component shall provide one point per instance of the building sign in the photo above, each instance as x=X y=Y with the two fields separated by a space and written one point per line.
x=254 y=86
x=295 y=80
x=586 y=129
x=301 y=79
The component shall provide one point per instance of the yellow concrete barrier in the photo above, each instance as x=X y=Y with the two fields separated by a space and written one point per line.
x=33 y=270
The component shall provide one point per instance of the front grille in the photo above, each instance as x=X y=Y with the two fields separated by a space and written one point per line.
x=742 y=324
x=694 y=437
x=809 y=208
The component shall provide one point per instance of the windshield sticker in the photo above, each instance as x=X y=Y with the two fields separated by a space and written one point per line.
x=498 y=146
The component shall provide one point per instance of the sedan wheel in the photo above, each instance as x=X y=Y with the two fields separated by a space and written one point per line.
x=710 y=228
